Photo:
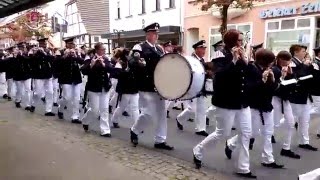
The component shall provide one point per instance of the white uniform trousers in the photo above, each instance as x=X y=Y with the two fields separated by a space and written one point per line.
x=11 y=87
x=114 y=96
x=210 y=112
x=99 y=105
x=301 y=113
x=197 y=107
x=43 y=86
x=288 y=119
x=24 y=92
x=152 y=108
x=316 y=109
x=71 y=98
x=130 y=102
x=225 y=119
x=55 y=85
x=3 y=84
x=258 y=129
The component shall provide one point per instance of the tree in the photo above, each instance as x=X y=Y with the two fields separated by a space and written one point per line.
x=223 y=6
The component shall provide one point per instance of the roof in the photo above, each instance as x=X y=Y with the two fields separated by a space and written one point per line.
x=9 y=7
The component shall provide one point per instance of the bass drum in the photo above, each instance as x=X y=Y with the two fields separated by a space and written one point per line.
x=179 y=78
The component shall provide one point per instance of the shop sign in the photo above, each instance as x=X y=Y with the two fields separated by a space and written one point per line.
x=305 y=9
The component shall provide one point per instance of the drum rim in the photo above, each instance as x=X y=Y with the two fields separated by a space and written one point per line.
x=190 y=83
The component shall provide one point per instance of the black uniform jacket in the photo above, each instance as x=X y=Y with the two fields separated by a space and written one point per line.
x=68 y=69
x=8 y=65
x=230 y=83
x=300 y=93
x=127 y=81
x=98 y=78
x=22 y=68
x=315 y=87
x=145 y=74
x=260 y=93
x=42 y=66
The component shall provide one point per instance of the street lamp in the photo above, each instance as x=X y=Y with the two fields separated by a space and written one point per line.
x=118 y=33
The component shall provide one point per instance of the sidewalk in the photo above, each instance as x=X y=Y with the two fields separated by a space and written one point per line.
x=36 y=147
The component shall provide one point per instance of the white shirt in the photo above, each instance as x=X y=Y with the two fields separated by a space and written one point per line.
x=154 y=46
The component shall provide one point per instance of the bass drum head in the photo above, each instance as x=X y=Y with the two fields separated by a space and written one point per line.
x=172 y=76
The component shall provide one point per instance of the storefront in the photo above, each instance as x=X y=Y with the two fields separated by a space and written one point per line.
x=276 y=23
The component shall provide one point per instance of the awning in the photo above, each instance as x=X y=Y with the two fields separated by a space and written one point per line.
x=140 y=33
x=8 y=7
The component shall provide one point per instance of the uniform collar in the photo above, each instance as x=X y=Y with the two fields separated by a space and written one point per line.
x=150 y=44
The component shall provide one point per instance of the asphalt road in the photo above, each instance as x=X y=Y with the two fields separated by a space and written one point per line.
x=184 y=141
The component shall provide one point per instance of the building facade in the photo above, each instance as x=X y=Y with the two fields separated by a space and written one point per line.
x=129 y=17
x=87 y=21
x=276 y=23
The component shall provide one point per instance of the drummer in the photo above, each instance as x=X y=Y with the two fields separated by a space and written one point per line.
x=152 y=106
x=198 y=105
x=167 y=46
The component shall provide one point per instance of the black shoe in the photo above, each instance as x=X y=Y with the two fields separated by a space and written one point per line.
x=233 y=129
x=168 y=116
x=116 y=125
x=247 y=175
x=289 y=153
x=308 y=147
x=251 y=143
x=125 y=113
x=133 y=138
x=43 y=99
x=202 y=133
x=5 y=96
x=180 y=127
x=273 y=140
x=65 y=107
x=18 y=105
x=176 y=108
x=76 y=121
x=318 y=135
x=163 y=146
x=55 y=104
x=197 y=162
x=228 y=151
x=49 y=114
x=207 y=121
x=9 y=98
x=110 y=109
x=60 y=115
x=32 y=109
x=296 y=125
x=85 y=127
x=273 y=165
x=27 y=108
x=105 y=135
x=191 y=120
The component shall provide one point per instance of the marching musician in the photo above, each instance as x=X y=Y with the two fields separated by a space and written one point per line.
x=9 y=70
x=230 y=97
x=70 y=78
x=127 y=88
x=152 y=106
x=262 y=88
x=55 y=74
x=22 y=77
x=300 y=97
x=98 y=86
x=197 y=106
x=3 y=81
x=43 y=74
x=315 y=89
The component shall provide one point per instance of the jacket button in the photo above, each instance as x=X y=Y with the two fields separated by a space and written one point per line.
x=242 y=77
x=242 y=91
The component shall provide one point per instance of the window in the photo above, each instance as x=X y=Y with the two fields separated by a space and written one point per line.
x=143 y=8
x=157 y=5
x=215 y=35
x=172 y=4
x=303 y=23
x=288 y=24
x=96 y=39
x=118 y=10
x=273 y=25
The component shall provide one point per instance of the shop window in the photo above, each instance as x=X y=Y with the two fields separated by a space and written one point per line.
x=215 y=31
x=96 y=38
x=281 y=40
x=288 y=24
x=231 y=27
x=303 y=23
x=273 y=25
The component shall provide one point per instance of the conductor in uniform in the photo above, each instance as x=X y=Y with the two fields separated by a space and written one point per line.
x=152 y=106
